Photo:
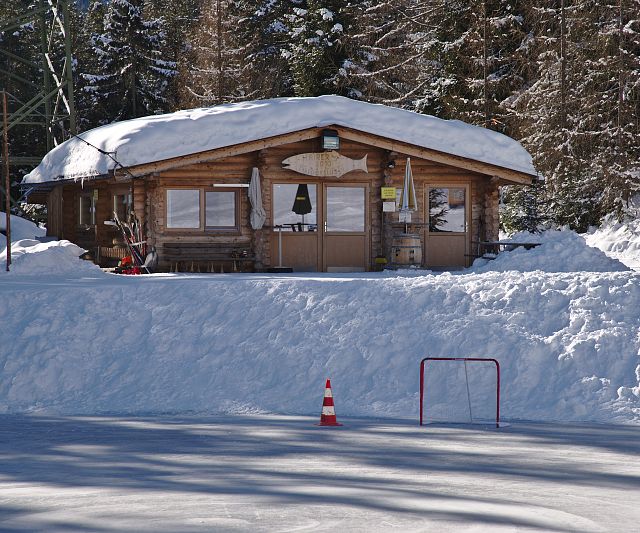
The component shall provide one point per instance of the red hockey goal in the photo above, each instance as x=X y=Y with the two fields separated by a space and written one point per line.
x=465 y=360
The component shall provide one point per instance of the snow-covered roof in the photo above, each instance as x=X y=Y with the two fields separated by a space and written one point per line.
x=155 y=138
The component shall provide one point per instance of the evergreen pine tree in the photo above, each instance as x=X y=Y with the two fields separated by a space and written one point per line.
x=608 y=88
x=522 y=208
x=551 y=113
x=90 y=111
x=317 y=49
x=179 y=18
x=481 y=49
x=262 y=34
x=21 y=81
x=133 y=77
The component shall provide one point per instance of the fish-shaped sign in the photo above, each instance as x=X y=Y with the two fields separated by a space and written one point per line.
x=324 y=164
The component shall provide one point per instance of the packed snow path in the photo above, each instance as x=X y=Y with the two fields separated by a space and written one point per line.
x=269 y=473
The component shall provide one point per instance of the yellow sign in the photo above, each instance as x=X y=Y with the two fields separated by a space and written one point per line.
x=388 y=193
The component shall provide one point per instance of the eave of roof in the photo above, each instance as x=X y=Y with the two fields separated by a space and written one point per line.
x=508 y=175
x=147 y=140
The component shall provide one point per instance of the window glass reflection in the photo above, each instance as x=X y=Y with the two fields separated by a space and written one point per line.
x=183 y=208
x=345 y=208
x=295 y=206
x=87 y=214
x=220 y=209
x=447 y=209
x=122 y=205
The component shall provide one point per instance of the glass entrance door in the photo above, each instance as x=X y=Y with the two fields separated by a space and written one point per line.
x=295 y=214
x=446 y=236
x=345 y=239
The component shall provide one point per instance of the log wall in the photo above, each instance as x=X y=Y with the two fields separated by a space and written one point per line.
x=149 y=198
x=88 y=237
x=233 y=171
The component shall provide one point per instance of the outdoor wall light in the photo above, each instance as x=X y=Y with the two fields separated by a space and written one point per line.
x=330 y=140
x=391 y=164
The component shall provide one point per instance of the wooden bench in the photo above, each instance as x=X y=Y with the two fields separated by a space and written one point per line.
x=491 y=249
x=113 y=252
x=208 y=257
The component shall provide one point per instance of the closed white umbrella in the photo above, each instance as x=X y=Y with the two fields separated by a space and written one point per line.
x=258 y=215
x=408 y=200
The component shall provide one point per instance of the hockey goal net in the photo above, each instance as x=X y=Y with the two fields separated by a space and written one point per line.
x=459 y=390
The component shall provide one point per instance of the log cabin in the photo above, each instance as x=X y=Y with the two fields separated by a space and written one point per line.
x=328 y=178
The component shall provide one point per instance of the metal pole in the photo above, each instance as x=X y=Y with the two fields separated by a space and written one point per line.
x=46 y=76
x=421 y=389
x=69 y=69
x=279 y=246
x=7 y=191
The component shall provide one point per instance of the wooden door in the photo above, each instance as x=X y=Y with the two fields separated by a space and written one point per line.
x=345 y=227
x=447 y=233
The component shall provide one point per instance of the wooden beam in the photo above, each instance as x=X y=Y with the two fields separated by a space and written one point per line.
x=512 y=176
x=221 y=153
x=509 y=176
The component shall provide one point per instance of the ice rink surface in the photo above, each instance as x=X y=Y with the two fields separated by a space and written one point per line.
x=277 y=473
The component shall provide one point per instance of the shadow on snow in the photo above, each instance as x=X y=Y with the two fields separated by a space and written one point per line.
x=204 y=455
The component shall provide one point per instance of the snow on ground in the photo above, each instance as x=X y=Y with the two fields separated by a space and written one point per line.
x=568 y=343
x=560 y=251
x=30 y=256
x=158 y=137
x=20 y=229
x=82 y=341
x=269 y=473
x=77 y=340
x=618 y=240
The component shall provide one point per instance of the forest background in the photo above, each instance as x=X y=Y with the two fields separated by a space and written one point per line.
x=560 y=76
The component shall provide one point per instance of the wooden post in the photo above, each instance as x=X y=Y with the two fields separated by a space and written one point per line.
x=386 y=231
x=7 y=191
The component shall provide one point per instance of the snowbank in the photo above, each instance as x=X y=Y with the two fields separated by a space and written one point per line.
x=560 y=251
x=154 y=138
x=30 y=256
x=20 y=229
x=618 y=240
x=568 y=343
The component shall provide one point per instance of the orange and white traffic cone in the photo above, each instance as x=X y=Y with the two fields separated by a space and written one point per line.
x=328 y=416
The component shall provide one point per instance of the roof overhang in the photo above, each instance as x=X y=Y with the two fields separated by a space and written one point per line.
x=50 y=185
x=507 y=176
